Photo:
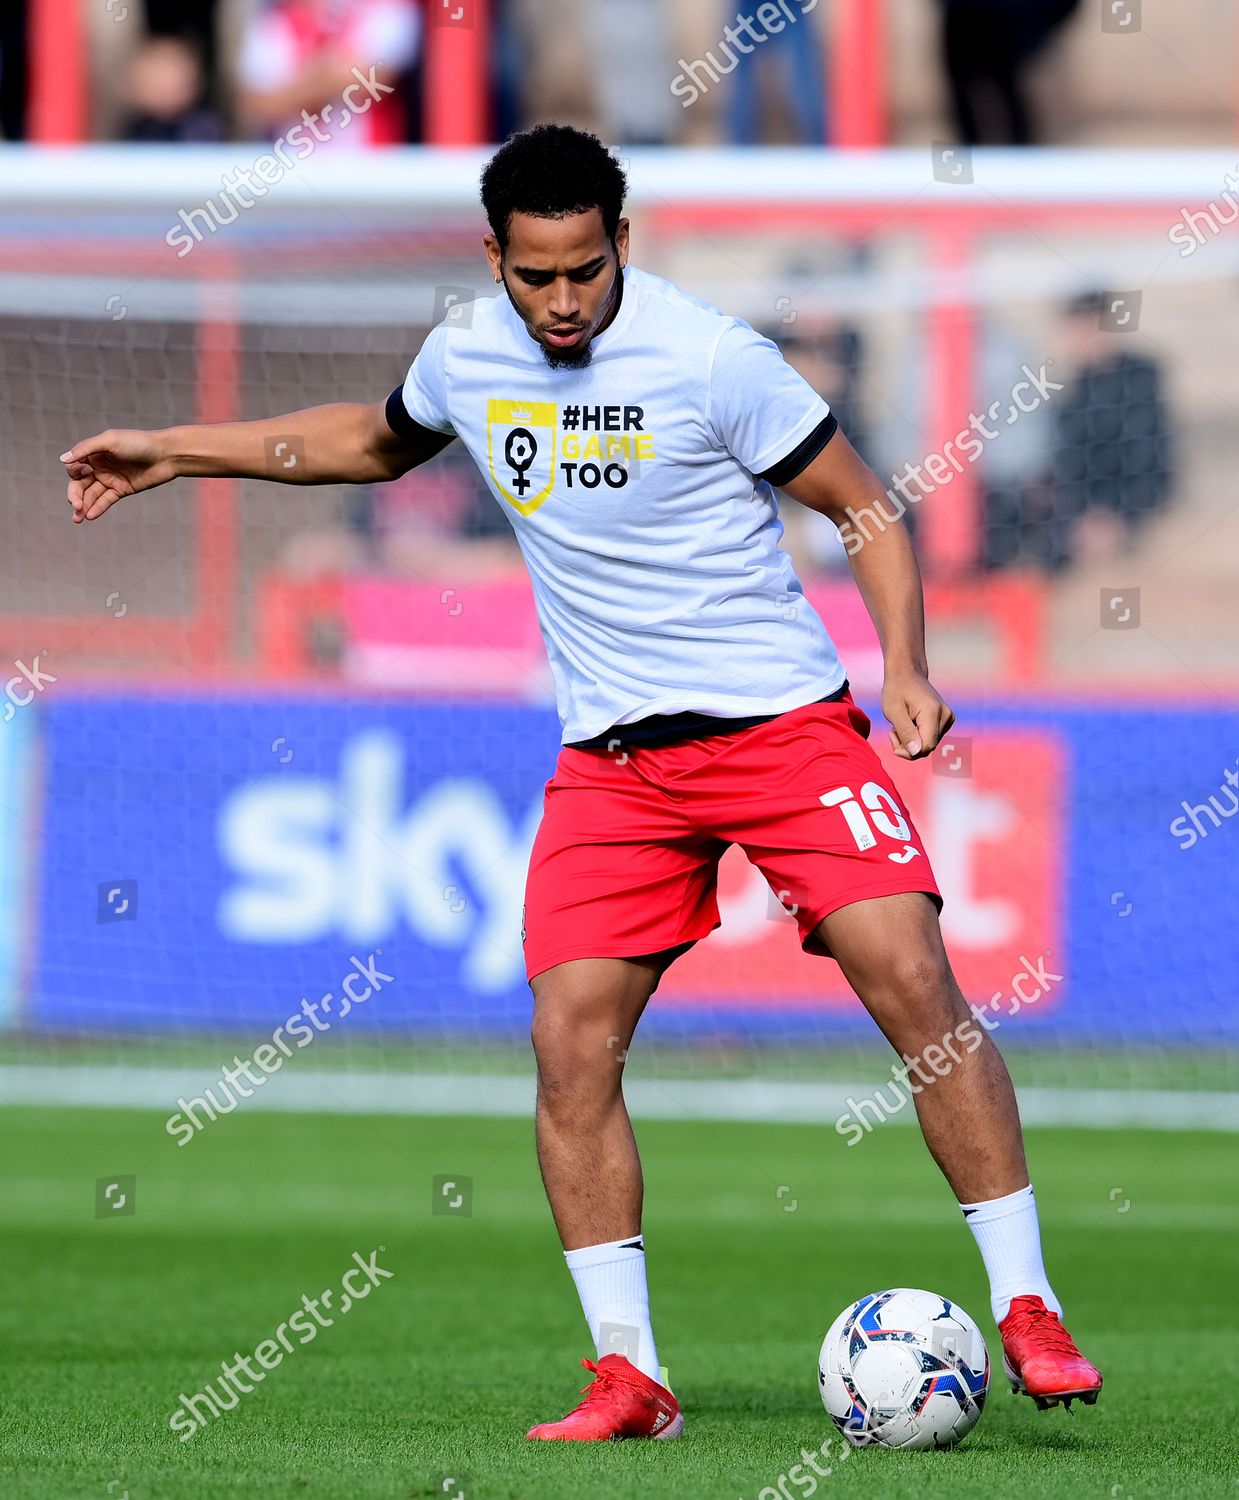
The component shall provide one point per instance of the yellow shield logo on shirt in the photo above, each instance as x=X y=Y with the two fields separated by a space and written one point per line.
x=520 y=449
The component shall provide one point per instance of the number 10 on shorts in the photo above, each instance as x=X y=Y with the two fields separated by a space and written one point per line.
x=879 y=806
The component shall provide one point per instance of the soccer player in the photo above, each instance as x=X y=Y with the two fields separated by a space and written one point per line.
x=633 y=436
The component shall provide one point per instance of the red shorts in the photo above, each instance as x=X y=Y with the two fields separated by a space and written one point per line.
x=625 y=860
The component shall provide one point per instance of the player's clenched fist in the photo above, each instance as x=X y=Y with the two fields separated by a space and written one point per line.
x=917 y=713
x=104 y=468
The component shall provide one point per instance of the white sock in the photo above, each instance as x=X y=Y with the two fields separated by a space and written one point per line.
x=1009 y=1239
x=610 y=1281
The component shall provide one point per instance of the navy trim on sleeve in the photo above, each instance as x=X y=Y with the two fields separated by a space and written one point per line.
x=803 y=454
x=403 y=425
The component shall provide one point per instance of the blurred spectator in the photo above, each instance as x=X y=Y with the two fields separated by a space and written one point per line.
x=506 y=69
x=300 y=55
x=204 y=25
x=1113 y=454
x=781 y=86
x=987 y=46
x=553 y=69
x=1017 y=499
x=194 y=21
x=13 y=72
x=630 y=40
x=162 y=93
x=1074 y=480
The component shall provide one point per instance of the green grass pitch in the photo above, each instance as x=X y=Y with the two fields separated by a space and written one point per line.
x=757 y=1236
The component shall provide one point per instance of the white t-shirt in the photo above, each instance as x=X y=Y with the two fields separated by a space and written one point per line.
x=654 y=552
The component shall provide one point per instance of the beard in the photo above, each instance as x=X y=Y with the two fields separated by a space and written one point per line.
x=568 y=359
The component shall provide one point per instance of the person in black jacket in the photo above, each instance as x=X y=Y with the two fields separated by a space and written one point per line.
x=986 y=47
x=1113 y=460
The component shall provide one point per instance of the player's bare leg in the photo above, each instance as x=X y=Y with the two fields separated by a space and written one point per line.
x=585 y=1014
x=891 y=952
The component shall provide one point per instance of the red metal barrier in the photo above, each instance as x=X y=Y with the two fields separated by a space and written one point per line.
x=500 y=620
x=457 y=90
x=59 y=99
x=856 y=68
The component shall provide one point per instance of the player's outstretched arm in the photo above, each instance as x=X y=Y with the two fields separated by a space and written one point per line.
x=842 y=486
x=346 y=443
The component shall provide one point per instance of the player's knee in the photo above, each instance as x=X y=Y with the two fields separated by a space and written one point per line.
x=577 y=1037
x=578 y=1080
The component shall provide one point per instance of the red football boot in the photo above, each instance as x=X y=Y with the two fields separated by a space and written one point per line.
x=620 y=1402
x=1041 y=1358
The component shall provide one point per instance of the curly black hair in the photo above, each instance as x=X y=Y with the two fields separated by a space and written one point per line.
x=551 y=171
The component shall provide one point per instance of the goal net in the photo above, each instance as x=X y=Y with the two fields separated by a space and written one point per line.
x=265 y=745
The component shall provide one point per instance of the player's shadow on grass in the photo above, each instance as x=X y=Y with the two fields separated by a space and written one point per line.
x=754 y=1404
x=771 y=1406
x=1041 y=1440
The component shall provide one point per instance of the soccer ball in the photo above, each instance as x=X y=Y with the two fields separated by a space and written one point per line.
x=903 y=1369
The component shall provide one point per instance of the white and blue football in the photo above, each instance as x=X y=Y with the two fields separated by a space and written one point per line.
x=904 y=1369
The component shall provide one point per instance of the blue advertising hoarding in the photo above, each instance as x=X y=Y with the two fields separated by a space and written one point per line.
x=18 y=828
x=207 y=863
